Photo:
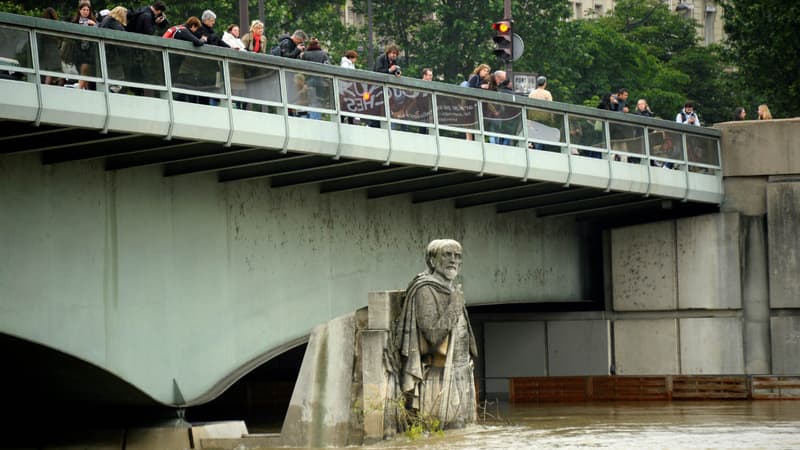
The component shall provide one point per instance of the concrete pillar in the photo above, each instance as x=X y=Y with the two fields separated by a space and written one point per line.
x=375 y=384
x=755 y=296
x=319 y=412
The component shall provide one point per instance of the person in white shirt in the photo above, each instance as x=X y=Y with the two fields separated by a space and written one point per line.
x=349 y=59
x=231 y=37
x=688 y=116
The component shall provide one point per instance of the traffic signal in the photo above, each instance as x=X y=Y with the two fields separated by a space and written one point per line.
x=503 y=39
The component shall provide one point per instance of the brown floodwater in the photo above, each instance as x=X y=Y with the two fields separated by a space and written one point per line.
x=632 y=425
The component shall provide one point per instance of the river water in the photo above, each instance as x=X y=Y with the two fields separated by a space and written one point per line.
x=640 y=425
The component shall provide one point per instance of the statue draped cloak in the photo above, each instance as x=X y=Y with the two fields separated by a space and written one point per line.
x=405 y=356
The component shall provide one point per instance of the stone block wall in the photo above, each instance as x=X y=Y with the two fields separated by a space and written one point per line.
x=548 y=347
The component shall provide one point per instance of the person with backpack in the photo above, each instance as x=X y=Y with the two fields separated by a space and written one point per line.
x=290 y=46
x=186 y=32
x=687 y=115
x=145 y=19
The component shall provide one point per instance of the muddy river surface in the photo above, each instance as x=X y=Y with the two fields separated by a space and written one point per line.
x=640 y=425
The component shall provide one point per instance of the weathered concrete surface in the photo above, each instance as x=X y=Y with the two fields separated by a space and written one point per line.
x=319 y=411
x=513 y=349
x=375 y=383
x=643 y=267
x=783 y=219
x=745 y=195
x=755 y=296
x=201 y=433
x=138 y=273
x=711 y=346
x=383 y=308
x=578 y=347
x=769 y=147
x=176 y=438
x=709 y=262
x=785 y=345
x=646 y=347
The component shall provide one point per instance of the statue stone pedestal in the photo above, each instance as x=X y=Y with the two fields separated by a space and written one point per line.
x=341 y=392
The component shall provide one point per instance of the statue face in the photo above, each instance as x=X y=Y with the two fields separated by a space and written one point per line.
x=447 y=263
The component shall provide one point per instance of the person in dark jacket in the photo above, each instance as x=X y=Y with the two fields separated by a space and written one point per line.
x=116 y=19
x=292 y=46
x=188 y=30
x=116 y=56
x=206 y=30
x=315 y=53
x=145 y=19
x=643 y=109
x=387 y=62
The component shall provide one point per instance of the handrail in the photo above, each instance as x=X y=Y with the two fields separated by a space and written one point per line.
x=166 y=47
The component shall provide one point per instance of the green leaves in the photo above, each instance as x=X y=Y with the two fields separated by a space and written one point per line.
x=763 y=44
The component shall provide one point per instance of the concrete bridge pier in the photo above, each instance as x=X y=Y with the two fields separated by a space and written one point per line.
x=755 y=296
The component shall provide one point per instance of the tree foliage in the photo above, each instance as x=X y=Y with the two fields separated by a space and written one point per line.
x=763 y=44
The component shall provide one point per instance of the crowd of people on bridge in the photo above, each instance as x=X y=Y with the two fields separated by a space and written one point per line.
x=152 y=20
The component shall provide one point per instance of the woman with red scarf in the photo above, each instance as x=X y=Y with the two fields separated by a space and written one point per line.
x=255 y=41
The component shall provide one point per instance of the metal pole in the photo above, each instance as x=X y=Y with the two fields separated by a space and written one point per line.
x=370 y=49
x=507 y=15
x=244 y=17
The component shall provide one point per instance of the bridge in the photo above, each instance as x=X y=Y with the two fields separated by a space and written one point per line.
x=200 y=210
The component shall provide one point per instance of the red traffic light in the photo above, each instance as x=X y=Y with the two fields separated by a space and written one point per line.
x=503 y=40
x=503 y=26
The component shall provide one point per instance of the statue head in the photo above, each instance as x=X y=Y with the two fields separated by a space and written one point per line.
x=443 y=257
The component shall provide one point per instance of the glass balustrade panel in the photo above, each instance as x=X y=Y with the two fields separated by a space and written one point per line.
x=135 y=64
x=197 y=74
x=701 y=150
x=666 y=148
x=457 y=112
x=413 y=106
x=304 y=89
x=359 y=97
x=502 y=118
x=626 y=138
x=15 y=51
x=255 y=82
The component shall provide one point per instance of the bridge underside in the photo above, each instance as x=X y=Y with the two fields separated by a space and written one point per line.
x=182 y=157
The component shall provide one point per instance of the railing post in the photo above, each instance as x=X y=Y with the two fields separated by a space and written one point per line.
x=685 y=168
x=525 y=147
x=388 y=111
x=226 y=83
x=338 y=106
x=569 y=150
x=435 y=114
x=607 y=129
x=285 y=100
x=101 y=47
x=483 y=137
x=36 y=69
x=170 y=96
x=647 y=160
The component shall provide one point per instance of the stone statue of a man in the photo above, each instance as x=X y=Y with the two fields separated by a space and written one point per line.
x=434 y=343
